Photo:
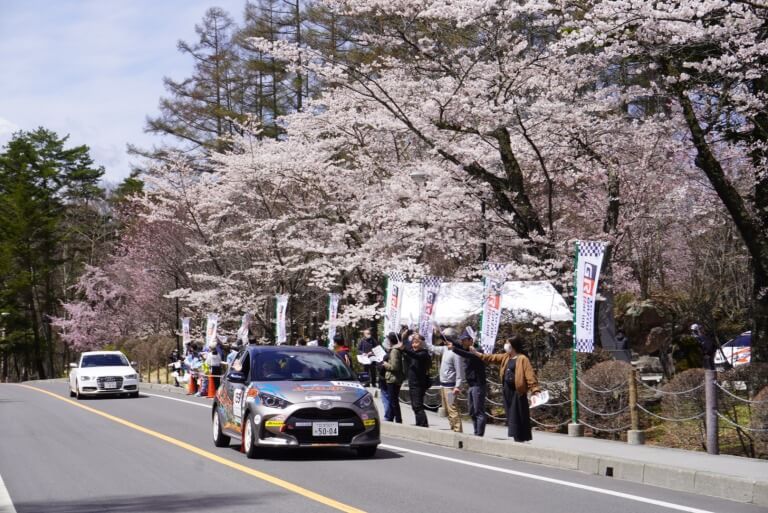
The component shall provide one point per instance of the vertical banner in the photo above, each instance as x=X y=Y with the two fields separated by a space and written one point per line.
x=280 y=314
x=186 y=335
x=211 y=327
x=494 y=276
x=430 y=286
x=395 y=289
x=245 y=329
x=333 y=311
x=589 y=259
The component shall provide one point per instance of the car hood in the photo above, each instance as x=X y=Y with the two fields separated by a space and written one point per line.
x=303 y=391
x=106 y=371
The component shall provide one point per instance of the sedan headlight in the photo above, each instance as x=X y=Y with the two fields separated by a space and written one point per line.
x=271 y=401
x=131 y=376
x=86 y=378
x=365 y=402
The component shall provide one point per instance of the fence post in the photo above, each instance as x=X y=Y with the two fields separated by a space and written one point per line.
x=710 y=394
x=158 y=373
x=634 y=436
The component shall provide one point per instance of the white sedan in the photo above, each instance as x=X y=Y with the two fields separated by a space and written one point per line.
x=103 y=373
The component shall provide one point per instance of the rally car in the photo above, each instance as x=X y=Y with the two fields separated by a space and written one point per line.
x=292 y=397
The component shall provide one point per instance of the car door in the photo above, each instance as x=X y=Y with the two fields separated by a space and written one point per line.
x=234 y=386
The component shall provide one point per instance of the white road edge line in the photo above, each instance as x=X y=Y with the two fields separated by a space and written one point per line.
x=6 y=505
x=207 y=406
x=594 y=489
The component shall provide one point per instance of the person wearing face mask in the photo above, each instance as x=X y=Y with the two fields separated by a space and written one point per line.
x=517 y=379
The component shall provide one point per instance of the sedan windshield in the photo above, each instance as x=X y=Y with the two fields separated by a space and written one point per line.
x=105 y=360
x=299 y=366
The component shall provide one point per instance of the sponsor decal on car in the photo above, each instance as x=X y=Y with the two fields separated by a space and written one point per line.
x=348 y=384
x=369 y=422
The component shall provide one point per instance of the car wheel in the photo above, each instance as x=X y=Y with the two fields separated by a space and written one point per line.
x=367 y=451
x=219 y=438
x=249 y=435
x=71 y=392
x=78 y=395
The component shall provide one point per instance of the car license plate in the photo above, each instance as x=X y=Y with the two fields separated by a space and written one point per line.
x=325 y=429
x=110 y=384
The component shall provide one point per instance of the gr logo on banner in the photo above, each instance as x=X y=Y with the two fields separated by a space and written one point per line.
x=590 y=278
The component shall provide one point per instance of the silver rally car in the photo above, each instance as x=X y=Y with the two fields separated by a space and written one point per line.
x=288 y=396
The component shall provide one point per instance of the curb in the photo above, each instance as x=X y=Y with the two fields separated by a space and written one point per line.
x=163 y=387
x=697 y=482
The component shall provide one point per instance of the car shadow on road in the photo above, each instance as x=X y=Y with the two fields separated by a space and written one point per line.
x=315 y=454
x=166 y=503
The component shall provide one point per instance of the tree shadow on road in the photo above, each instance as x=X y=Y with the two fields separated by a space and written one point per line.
x=165 y=503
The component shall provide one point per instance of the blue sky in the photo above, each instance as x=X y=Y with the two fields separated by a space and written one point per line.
x=93 y=69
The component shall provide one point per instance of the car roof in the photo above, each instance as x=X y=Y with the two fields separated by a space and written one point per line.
x=256 y=349
x=89 y=353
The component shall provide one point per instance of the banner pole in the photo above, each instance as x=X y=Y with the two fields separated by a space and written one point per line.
x=574 y=368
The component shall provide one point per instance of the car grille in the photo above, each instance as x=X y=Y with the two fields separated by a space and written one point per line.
x=350 y=425
x=100 y=382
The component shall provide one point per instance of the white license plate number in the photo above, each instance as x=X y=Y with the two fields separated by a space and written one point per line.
x=325 y=429
x=110 y=384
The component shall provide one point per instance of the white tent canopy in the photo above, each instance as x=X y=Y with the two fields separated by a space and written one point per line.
x=456 y=301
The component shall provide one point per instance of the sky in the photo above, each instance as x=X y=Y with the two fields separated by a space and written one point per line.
x=94 y=69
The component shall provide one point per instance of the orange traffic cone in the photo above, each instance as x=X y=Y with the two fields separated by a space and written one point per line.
x=192 y=388
x=211 y=389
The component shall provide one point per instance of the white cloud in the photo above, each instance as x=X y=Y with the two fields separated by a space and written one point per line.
x=7 y=128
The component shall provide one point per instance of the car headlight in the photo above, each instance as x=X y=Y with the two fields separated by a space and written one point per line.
x=130 y=376
x=365 y=402
x=86 y=378
x=271 y=401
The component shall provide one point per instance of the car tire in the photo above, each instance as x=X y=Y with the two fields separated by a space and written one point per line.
x=78 y=395
x=219 y=438
x=367 y=451
x=249 y=438
x=71 y=393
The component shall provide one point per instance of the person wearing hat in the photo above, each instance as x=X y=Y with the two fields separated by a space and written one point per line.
x=451 y=378
x=707 y=346
x=474 y=372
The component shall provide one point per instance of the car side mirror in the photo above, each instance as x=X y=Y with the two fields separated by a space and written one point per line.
x=73 y=366
x=236 y=377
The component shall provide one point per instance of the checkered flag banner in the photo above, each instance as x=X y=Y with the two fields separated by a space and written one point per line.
x=281 y=302
x=333 y=311
x=394 y=305
x=430 y=286
x=494 y=276
x=589 y=260
x=211 y=327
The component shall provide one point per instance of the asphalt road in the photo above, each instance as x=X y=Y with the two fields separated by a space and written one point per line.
x=155 y=454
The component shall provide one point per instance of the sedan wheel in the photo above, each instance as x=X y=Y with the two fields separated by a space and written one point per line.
x=248 y=441
x=219 y=438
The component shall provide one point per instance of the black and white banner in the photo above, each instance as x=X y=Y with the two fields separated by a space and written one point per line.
x=494 y=276
x=186 y=335
x=430 y=286
x=245 y=328
x=589 y=259
x=333 y=313
x=211 y=327
x=280 y=315
x=395 y=289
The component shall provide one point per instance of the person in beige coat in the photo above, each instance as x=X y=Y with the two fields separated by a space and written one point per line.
x=517 y=379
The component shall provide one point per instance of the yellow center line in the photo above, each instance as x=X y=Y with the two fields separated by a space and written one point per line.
x=213 y=457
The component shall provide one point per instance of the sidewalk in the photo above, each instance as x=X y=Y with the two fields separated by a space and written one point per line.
x=729 y=477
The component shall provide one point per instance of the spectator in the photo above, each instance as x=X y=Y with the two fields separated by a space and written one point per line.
x=475 y=375
x=342 y=351
x=233 y=351
x=707 y=345
x=365 y=347
x=517 y=379
x=213 y=360
x=395 y=376
x=451 y=379
x=419 y=363
x=382 y=371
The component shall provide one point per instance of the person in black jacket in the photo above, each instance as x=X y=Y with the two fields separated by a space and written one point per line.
x=474 y=373
x=419 y=363
x=365 y=347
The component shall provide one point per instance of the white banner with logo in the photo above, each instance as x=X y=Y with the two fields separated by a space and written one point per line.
x=494 y=276
x=430 y=287
x=333 y=312
x=245 y=328
x=589 y=259
x=186 y=335
x=211 y=327
x=395 y=289
x=282 y=307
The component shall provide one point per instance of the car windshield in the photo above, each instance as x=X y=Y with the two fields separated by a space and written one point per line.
x=299 y=366
x=740 y=341
x=105 y=360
